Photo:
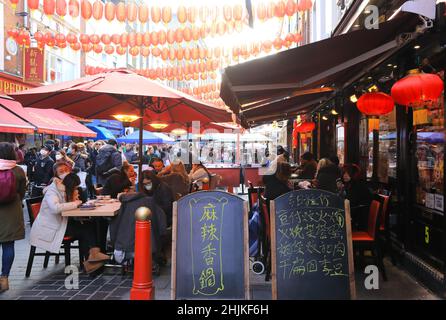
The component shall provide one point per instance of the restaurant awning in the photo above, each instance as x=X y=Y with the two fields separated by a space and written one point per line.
x=48 y=121
x=295 y=80
x=148 y=138
x=12 y=124
x=101 y=132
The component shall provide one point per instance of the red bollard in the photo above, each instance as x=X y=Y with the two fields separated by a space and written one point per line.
x=142 y=288
x=206 y=183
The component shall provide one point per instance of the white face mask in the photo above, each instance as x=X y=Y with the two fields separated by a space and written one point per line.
x=148 y=187
x=62 y=176
x=59 y=157
x=43 y=152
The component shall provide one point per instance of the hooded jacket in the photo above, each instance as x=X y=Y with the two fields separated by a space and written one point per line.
x=327 y=177
x=112 y=157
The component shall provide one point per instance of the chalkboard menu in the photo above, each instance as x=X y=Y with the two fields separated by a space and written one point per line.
x=311 y=247
x=210 y=247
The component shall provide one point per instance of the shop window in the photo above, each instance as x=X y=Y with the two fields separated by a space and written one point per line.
x=387 y=147
x=340 y=143
x=429 y=159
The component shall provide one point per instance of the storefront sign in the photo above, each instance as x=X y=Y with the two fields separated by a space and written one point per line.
x=33 y=65
x=430 y=200
x=8 y=86
x=439 y=202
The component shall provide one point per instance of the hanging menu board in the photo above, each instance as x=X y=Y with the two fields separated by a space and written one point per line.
x=210 y=247
x=311 y=246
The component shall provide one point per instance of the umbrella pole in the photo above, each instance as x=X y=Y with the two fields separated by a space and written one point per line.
x=141 y=128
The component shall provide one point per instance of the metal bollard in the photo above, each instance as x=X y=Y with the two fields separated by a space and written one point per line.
x=142 y=287
x=206 y=183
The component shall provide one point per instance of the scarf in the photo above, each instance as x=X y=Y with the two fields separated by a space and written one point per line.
x=7 y=164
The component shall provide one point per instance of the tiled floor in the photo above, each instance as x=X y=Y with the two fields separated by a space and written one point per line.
x=112 y=285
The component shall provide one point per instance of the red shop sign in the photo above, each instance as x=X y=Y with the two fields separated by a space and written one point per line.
x=33 y=65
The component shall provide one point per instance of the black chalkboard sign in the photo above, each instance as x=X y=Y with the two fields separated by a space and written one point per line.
x=311 y=247
x=210 y=247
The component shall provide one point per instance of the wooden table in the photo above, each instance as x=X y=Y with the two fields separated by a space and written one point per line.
x=105 y=210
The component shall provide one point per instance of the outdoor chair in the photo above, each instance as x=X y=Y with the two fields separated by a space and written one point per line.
x=266 y=244
x=384 y=230
x=33 y=206
x=368 y=240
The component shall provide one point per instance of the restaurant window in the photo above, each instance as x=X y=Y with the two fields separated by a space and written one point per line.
x=387 y=147
x=340 y=143
x=429 y=159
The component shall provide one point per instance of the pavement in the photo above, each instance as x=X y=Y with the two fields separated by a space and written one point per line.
x=112 y=284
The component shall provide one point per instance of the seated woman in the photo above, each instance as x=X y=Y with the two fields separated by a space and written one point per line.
x=198 y=173
x=160 y=191
x=355 y=190
x=327 y=175
x=177 y=179
x=50 y=228
x=120 y=181
x=277 y=184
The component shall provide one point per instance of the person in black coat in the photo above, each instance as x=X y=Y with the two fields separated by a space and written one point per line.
x=327 y=175
x=277 y=184
x=43 y=170
x=120 y=181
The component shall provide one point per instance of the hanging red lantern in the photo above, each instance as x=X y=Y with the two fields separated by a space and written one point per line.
x=13 y=33
x=290 y=8
x=227 y=12
x=132 y=12
x=373 y=105
x=75 y=46
x=97 y=48
x=84 y=38
x=33 y=4
x=304 y=5
x=124 y=40
x=86 y=9
x=179 y=35
x=172 y=54
x=49 y=7
x=221 y=28
x=146 y=39
x=134 y=51
x=87 y=47
x=145 y=51
x=195 y=33
x=261 y=11
x=109 y=11
x=217 y=52
x=192 y=14
x=182 y=14
x=131 y=39
x=121 y=12
x=237 y=12
x=170 y=36
x=23 y=37
x=165 y=54
x=139 y=39
x=180 y=54
x=280 y=9
x=60 y=38
x=270 y=9
x=187 y=54
x=49 y=38
x=109 y=49
x=156 y=52
x=116 y=38
x=143 y=13
x=105 y=39
x=121 y=50
x=418 y=90
x=95 y=39
x=73 y=8
x=61 y=8
x=154 y=40
x=98 y=9
x=203 y=13
x=298 y=37
x=166 y=14
x=305 y=127
x=187 y=34
x=238 y=26
x=38 y=36
x=195 y=54
x=155 y=14
x=278 y=43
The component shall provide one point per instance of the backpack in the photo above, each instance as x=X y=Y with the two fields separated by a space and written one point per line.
x=104 y=162
x=8 y=191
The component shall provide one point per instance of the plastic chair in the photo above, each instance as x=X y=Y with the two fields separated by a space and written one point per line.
x=33 y=205
x=368 y=240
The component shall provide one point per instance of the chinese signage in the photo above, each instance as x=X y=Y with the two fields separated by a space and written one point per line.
x=210 y=253
x=310 y=246
x=33 y=65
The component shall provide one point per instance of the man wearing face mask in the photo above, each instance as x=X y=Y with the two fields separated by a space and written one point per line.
x=43 y=170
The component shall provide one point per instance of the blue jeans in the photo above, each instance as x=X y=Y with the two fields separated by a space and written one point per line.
x=7 y=257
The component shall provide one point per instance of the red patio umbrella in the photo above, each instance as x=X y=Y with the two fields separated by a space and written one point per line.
x=122 y=92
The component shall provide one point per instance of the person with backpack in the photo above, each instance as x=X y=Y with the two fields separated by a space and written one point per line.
x=107 y=161
x=12 y=225
x=43 y=170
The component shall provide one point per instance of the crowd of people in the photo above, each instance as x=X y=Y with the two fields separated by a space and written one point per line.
x=65 y=176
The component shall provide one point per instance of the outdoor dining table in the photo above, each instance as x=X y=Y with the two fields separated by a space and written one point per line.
x=105 y=210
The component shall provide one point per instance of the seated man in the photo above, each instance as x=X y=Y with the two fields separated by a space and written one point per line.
x=157 y=164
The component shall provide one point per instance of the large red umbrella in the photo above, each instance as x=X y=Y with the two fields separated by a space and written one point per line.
x=122 y=92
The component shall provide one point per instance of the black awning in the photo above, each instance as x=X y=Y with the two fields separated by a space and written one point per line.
x=315 y=69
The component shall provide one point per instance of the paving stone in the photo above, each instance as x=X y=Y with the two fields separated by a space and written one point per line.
x=30 y=298
x=89 y=290
x=99 y=296
x=80 y=297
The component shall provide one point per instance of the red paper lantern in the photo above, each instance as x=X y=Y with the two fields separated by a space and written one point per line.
x=38 y=36
x=280 y=9
x=143 y=13
x=195 y=33
x=165 y=54
x=97 y=48
x=73 y=8
x=145 y=51
x=156 y=52
x=95 y=39
x=98 y=10
x=203 y=13
x=33 y=4
x=179 y=35
x=166 y=14
x=108 y=49
x=155 y=14
x=86 y=9
x=182 y=14
x=121 y=12
x=221 y=28
x=305 y=127
x=121 y=50
x=124 y=40
x=87 y=47
x=417 y=90
x=373 y=105
x=146 y=38
x=187 y=34
x=154 y=40
x=23 y=38
x=270 y=9
x=49 y=7
x=187 y=54
x=261 y=11
x=290 y=8
x=180 y=54
x=139 y=39
x=170 y=36
x=116 y=38
x=172 y=54
x=304 y=5
x=60 y=38
x=132 y=11
x=84 y=39
x=227 y=12
x=134 y=51
x=238 y=12
x=278 y=43
x=109 y=12
x=105 y=39
x=132 y=39
x=49 y=39
x=75 y=46
x=61 y=8
x=192 y=14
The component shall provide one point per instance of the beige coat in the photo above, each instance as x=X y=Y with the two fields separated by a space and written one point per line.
x=48 y=230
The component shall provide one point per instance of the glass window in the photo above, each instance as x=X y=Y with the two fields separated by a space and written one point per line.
x=387 y=147
x=340 y=143
x=429 y=159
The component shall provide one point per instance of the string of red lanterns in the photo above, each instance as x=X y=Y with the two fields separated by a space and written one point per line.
x=132 y=12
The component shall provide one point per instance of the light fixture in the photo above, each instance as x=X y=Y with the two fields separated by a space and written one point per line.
x=158 y=125
x=178 y=132
x=372 y=88
x=126 y=117
x=390 y=65
x=324 y=118
x=417 y=47
x=334 y=112
x=356 y=26
x=369 y=78
x=395 y=66
x=353 y=98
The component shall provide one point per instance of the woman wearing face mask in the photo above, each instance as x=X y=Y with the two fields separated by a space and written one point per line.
x=43 y=170
x=49 y=228
x=61 y=156
x=160 y=191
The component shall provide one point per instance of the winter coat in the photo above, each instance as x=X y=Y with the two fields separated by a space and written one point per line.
x=43 y=170
x=12 y=226
x=115 y=184
x=80 y=161
x=131 y=156
x=122 y=226
x=114 y=161
x=274 y=187
x=177 y=183
x=327 y=177
x=308 y=170
x=48 y=229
